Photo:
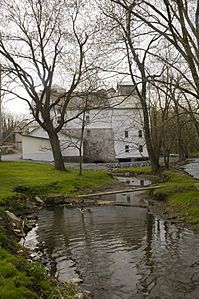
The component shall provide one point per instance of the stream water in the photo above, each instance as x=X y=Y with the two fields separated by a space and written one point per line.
x=192 y=168
x=120 y=252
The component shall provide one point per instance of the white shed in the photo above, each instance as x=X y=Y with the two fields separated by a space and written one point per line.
x=36 y=146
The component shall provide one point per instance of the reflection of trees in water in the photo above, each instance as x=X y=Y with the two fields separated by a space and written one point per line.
x=86 y=259
x=51 y=226
x=165 y=269
x=163 y=253
x=146 y=266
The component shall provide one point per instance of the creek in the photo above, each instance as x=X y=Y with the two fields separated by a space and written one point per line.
x=120 y=252
x=192 y=168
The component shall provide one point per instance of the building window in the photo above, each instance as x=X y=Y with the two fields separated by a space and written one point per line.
x=140 y=133
x=126 y=134
x=88 y=132
x=88 y=119
x=140 y=148
x=126 y=148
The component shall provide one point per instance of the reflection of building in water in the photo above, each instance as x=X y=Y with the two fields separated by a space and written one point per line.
x=134 y=198
x=134 y=181
x=131 y=197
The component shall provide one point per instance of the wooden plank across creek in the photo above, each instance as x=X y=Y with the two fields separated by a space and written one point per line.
x=119 y=191
x=122 y=204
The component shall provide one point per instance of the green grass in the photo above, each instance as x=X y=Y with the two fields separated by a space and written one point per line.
x=20 y=279
x=42 y=179
x=134 y=170
x=177 y=182
x=182 y=196
x=23 y=280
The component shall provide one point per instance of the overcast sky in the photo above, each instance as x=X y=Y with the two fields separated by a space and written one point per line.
x=15 y=106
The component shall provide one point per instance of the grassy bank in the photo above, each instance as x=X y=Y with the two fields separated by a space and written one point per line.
x=138 y=170
x=23 y=280
x=19 y=278
x=178 y=188
x=182 y=196
x=42 y=179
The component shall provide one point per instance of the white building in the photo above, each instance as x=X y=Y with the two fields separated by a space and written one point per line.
x=112 y=130
x=36 y=146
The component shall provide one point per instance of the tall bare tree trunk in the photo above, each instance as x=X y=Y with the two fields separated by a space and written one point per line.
x=152 y=146
x=153 y=154
x=57 y=155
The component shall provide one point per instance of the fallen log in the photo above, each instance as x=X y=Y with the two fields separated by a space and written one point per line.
x=119 y=191
x=120 y=204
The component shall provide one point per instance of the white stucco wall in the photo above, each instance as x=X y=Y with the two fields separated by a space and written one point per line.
x=39 y=149
x=124 y=116
x=70 y=149
x=36 y=149
x=119 y=120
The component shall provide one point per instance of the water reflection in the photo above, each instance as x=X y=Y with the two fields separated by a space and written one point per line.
x=131 y=181
x=122 y=252
x=132 y=198
x=167 y=265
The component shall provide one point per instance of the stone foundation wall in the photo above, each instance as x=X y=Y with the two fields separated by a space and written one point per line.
x=74 y=159
x=99 y=145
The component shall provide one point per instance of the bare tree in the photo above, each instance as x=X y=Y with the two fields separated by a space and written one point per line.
x=175 y=117
x=137 y=55
x=177 y=22
x=174 y=23
x=75 y=136
x=45 y=42
x=12 y=123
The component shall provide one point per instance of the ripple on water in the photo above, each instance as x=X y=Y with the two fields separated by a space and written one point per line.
x=122 y=252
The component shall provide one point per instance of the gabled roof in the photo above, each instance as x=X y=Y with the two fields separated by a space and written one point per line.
x=37 y=137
